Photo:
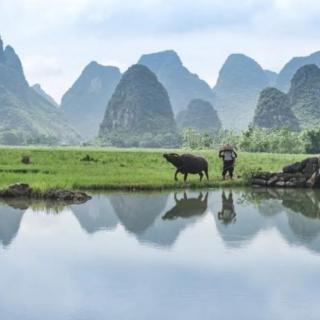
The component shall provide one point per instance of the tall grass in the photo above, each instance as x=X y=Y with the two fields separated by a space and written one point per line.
x=120 y=169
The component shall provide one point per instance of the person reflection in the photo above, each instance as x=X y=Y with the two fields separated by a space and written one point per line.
x=227 y=214
x=187 y=207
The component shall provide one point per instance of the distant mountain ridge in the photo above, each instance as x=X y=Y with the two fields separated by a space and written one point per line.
x=239 y=84
x=304 y=96
x=38 y=89
x=139 y=110
x=84 y=104
x=199 y=115
x=286 y=74
x=181 y=85
x=274 y=111
x=299 y=108
x=25 y=116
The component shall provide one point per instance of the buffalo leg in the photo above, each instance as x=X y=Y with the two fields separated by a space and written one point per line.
x=206 y=173
x=175 y=175
x=201 y=176
x=185 y=177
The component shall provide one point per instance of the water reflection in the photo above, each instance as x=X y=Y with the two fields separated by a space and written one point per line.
x=10 y=220
x=178 y=255
x=137 y=212
x=159 y=218
x=96 y=214
x=227 y=214
x=187 y=207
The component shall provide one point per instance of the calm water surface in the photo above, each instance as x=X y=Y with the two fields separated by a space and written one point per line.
x=240 y=254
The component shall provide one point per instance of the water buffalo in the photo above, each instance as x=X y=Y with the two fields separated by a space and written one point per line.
x=188 y=163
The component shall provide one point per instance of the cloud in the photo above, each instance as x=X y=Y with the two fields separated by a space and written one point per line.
x=56 y=39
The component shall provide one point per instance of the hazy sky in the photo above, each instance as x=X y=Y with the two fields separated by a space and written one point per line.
x=57 y=38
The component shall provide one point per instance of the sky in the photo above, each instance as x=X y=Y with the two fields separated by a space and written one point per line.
x=56 y=39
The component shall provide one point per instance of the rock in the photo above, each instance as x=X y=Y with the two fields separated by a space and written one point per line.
x=297 y=175
x=280 y=184
x=293 y=168
x=66 y=195
x=259 y=182
x=272 y=181
x=17 y=190
x=262 y=175
x=23 y=190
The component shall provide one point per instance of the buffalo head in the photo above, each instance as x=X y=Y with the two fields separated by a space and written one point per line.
x=173 y=158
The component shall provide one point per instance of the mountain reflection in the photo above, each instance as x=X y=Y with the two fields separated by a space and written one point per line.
x=10 y=220
x=302 y=208
x=137 y=212
x=96 y=214
x=158 y=219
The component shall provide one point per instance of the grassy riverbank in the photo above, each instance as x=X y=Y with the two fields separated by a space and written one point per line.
x=120 y=169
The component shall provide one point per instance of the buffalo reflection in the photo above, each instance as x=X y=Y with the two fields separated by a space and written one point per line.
x=227 y=214
x=187 y=207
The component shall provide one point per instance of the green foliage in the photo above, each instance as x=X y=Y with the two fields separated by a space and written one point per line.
x=311 y=139
x=256 y=140
x=193 y=139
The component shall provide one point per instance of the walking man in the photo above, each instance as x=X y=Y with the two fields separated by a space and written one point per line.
x=228 y=156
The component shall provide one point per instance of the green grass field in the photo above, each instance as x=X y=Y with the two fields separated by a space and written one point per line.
x=121 y=169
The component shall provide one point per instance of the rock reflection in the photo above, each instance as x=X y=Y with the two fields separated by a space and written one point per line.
x=302 y=210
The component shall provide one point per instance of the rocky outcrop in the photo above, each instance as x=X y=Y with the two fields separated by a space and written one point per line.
x=304 y=174
x=139 y=111
x=23 y=190
x=199 y=115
